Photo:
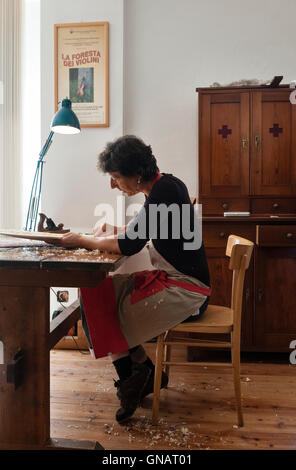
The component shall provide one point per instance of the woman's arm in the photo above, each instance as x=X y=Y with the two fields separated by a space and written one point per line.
x=107 y=229
x=75 y=240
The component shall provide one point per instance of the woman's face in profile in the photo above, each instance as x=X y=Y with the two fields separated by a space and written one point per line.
x=126 y=184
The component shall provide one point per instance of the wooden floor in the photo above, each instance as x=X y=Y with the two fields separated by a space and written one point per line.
x=197 y=410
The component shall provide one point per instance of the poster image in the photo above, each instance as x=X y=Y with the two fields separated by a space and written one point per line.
x=81 y=71
x=81 y=85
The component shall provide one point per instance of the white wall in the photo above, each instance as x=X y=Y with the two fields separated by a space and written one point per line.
x=160 y=51
x=72 y=185
x=174 y=46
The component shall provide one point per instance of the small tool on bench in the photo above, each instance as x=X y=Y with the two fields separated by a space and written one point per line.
x=50 y=225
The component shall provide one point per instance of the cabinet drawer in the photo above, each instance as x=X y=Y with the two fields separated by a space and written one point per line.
x=217 y=206
x=276 y=235
x=273 y=205
x=216 y=235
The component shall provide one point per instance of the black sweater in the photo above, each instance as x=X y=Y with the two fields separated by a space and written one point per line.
x=169 y=219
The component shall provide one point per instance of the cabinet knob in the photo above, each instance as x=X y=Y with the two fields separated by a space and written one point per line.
x=225 y=206
x=222 y=234
x=275 y=205
x=244 y=142
x=247 y=294
x=257 y=141
x=289 y=235
x=260 y=294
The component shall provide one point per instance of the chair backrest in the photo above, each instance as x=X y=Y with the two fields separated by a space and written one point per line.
x=240 y=251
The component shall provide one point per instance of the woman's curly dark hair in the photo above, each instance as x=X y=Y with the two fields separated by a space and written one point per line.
x=129 y=156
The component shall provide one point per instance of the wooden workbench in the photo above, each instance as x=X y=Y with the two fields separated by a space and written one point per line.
x=27 y=335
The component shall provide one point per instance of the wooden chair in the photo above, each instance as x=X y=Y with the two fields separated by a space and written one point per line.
x=215 y=320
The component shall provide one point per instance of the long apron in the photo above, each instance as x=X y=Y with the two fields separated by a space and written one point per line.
x=126 y=310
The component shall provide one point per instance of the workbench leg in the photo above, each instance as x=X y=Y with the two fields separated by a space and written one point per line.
x=24 y=326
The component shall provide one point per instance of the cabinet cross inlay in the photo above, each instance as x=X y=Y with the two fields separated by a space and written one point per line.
x=275 y=130
x=224 y=131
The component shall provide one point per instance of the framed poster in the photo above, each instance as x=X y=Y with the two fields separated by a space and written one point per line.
x=82 y=70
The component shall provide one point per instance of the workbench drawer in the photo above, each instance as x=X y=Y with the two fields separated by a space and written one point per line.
x=276 y=235
x=216 y=235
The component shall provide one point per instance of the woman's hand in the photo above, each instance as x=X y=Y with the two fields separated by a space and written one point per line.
x=105 y=230
x=72 y=240
x=75 y=240
x=69 y=240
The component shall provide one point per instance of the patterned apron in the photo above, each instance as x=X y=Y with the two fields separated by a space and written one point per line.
x=126 y=310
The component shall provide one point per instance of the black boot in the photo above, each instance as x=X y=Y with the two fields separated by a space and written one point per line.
x=150 y=384
x=123 y=367
x=149 y=387
x=130 y=391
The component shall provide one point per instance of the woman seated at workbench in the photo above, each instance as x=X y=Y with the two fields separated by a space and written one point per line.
x=125 y=310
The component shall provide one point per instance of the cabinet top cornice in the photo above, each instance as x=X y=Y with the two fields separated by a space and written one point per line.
x=238 y=88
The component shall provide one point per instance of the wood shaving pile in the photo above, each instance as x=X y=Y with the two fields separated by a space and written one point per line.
x=44 y=253
x=142 y=430
x=101 y=387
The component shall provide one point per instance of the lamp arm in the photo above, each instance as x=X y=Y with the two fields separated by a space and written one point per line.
x=37 y=184
x=46 y=146
x=37 y=200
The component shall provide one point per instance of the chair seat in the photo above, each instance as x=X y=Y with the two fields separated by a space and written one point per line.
x=216 y=319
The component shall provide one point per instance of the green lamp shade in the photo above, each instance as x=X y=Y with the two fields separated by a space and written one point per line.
x=65 y=120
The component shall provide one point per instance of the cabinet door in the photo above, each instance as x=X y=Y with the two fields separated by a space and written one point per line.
x=224 y=144
x=273 y=163
x=275 y=297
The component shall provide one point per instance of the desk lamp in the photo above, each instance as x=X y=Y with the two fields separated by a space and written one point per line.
x=64 y=121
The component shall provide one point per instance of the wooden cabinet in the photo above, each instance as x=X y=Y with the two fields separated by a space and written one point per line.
x=247 y=148
x=247 y=163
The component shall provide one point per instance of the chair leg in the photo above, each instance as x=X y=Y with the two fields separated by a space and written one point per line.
x=167 y=357
x=235 y=353
x=157 y=377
